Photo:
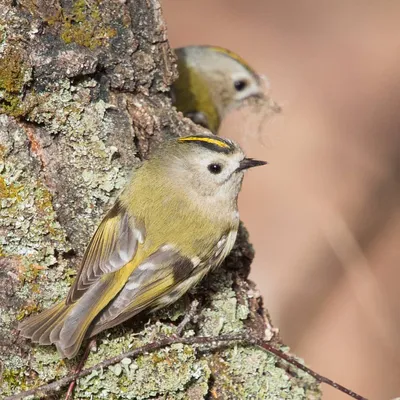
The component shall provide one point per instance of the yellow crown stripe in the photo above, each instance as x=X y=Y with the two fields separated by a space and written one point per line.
x=235 y=56
x=217 y=142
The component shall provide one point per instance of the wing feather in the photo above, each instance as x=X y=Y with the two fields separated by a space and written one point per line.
x=160 y=280
x=156 y=278
x=112 y=246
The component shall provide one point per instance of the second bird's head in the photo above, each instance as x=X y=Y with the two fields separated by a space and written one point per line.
x=213 y=81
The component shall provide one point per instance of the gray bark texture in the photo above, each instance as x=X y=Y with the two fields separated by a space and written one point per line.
x=83 y=99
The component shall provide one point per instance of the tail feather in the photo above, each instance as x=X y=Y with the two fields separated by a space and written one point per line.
x=46 y=325
x=70 y=351
x=47 y=336
x=66 y=325
x=32 y=327
x=55 y=333
x=49 y=324
x=81 y=316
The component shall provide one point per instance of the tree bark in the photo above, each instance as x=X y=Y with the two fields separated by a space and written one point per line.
x=83 y=99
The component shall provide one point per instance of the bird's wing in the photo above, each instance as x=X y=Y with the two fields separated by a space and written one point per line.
x=112 y=246
x=160 y=280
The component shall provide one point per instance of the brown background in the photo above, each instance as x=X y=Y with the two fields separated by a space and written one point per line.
x=324 y=216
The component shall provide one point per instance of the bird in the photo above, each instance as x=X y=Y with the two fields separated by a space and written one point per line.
x=176 y=219
x=212 y=82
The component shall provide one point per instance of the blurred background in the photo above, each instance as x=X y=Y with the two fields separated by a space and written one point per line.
x=324 y=215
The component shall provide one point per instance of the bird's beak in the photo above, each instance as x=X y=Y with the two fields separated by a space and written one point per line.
x=247 y=163
x=259 y=95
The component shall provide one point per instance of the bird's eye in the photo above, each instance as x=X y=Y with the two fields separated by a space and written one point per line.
x=215 y=168
x=240 y=84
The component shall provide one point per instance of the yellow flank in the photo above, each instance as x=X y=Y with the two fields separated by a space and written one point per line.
x=155 y=292
x=217 y=142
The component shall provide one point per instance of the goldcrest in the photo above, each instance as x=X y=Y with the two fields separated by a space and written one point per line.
x=212 y=81
x=176 y=219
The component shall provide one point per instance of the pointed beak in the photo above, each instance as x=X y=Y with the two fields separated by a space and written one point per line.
x=259 y=95
x=247 y=163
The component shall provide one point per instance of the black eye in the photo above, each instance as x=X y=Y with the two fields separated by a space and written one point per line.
x=240 y=85
x=215 y=168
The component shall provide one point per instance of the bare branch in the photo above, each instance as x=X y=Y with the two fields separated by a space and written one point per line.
x=212 y=342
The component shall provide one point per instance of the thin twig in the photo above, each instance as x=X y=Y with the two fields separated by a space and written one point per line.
x=78 y=369
x=291 y=360
x=211 y=341
x=189 y=315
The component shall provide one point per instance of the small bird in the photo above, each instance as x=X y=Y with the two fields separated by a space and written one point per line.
x=212 y=82
x=176 y=219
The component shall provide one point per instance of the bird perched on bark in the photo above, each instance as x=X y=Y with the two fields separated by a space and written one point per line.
x=175 y=220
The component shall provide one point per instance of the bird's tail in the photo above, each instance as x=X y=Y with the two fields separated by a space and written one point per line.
x=44 y=328
x=66 y=325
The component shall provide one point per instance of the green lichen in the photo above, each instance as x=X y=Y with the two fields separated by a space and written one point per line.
x=224 y=314
x=15 y=377
x=3 y=33
x=11 y=70
x=13 y=380
x=67 y=111
x=83 y=25
x=168 y=372
x=47 y=364
x=28 y=213
x=33 y=235
x=9 y=191
x=251 y=373
x=12 y=80
x=27 y=310
x=69 y=275
x=26 y=205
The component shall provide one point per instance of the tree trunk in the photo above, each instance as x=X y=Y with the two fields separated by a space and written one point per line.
x=83 y=98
